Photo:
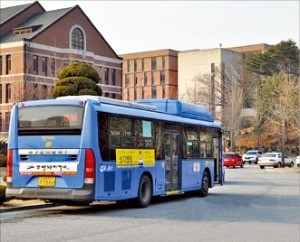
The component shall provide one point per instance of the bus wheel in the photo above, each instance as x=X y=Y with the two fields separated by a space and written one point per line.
x=205 y=185
x=145 y=192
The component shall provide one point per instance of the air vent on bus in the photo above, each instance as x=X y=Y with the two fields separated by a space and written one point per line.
x=109 y=181
x=126 y=180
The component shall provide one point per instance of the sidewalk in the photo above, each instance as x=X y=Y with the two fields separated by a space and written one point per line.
x=18 y=204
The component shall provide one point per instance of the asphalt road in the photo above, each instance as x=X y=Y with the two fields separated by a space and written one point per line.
x=253 y=205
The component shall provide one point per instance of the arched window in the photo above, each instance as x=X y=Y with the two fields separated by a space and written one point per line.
x=77 y=39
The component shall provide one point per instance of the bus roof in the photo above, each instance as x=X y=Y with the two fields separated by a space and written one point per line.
x=162 y=109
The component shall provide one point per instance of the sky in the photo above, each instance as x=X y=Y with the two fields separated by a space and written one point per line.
x=135 y=26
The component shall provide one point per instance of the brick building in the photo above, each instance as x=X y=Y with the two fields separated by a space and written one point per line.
x=150 y=74
x=35 y=44
x=250 y=48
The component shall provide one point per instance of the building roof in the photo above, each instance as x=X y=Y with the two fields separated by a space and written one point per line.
x=10 y=12
x=152 y=53
x=250 y=48
x=39 y=21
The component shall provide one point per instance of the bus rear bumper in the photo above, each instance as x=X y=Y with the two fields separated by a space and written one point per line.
x=84 y=194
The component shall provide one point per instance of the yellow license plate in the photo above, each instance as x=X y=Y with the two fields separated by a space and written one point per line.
x=45 y=181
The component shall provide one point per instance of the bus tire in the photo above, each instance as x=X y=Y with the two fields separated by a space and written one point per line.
x=144 y=192
x=205 y=185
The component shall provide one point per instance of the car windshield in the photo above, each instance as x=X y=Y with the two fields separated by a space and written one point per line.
x=251 y=153
x=269 y=155
x=227 y=155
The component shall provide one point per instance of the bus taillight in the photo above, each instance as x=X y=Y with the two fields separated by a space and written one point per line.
x=9 y=165
x=89 y=174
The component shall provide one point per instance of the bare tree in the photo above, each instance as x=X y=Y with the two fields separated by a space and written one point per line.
x=223 y=93
x=233 y=105
x=278 y=99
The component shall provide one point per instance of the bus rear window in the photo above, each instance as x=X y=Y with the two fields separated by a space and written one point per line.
x=50 y=119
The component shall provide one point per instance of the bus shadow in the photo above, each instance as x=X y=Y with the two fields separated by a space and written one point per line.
x=106 y=207
x=190 y=207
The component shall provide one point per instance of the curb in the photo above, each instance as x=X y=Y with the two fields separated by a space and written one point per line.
x=24 y=207
x=283 y=169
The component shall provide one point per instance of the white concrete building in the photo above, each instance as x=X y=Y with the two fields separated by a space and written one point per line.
x=211 y=66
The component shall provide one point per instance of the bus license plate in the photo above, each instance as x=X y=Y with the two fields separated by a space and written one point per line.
x=45 y=181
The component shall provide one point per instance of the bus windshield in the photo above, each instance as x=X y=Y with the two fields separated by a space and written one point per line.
x=47 y=118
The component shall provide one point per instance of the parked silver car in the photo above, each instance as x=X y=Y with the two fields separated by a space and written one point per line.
x=274 y=159
x=251 y=156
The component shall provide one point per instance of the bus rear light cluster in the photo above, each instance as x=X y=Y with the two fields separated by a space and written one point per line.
x=9 y=165
x=89 y=173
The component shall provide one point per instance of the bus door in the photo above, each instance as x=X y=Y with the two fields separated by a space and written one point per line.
x=172 y=160
x=218 y=166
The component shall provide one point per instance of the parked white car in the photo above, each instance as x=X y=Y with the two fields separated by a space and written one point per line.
x=297 y=161
x=274 y=159
x=251 y=156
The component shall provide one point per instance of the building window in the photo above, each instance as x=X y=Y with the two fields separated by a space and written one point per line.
x=44 y=66
x=35 y=92
x=152 y=78
x=135 y=65
x=77 y=39
x=135 y=94
x=143 y=64
x=127 y=94
x=128 y=66
x=106 y=71
x=113 y=96
x=164 y=62
x=0 y=93
x=1 y=122
x=154 y=92
x=143 y=93
x=145 y=78
x=163 y=92
x=106 y=94
x=113 y=77
x=1 y=65
x=127 y=80
x=44 y=91
x=153 y=63
x=135 y=80
x=35 y=64
x=212 y=69
x=100 y=72
x=8 y=93
x=8 y=64
x=52 y=67
x=162 y=77
x=7 y=118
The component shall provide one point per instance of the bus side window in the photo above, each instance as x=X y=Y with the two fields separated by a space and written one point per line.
x=103 y=136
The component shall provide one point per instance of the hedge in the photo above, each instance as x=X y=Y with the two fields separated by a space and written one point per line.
x=2 y=194
x=2 y=160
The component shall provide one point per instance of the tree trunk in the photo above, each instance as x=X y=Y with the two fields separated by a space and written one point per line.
x=283 y=142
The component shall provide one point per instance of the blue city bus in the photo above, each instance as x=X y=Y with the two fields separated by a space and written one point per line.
x=86 y=148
